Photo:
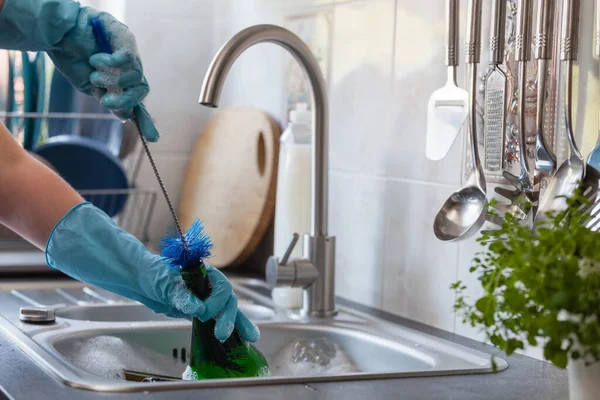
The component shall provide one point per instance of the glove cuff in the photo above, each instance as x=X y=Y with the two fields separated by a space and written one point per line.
x=86 y=243
x=49 y=243
x=36 y=25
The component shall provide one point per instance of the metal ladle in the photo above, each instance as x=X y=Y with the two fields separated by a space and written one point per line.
x=463 y=214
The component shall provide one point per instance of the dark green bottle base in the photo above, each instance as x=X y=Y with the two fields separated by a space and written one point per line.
x=211 y=359
x=251 y=365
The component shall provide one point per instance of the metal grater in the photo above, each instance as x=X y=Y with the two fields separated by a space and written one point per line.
x=495 y=93
x=494 y=128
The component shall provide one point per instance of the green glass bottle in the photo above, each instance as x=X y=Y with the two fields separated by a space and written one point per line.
x=209 y=358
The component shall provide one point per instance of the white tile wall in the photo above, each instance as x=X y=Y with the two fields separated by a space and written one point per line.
x=175 y=68
x=386 y=58
x=418 y=268
x=360 y=90
x=357 y=217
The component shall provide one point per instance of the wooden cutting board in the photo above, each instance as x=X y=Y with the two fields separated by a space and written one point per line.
x=230 y=182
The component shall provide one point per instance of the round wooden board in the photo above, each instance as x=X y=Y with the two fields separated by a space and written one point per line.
x=230 y=182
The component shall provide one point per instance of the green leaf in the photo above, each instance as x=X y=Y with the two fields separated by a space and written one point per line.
x=560 y=359
x=531 y=339
x=497 y=341
x=494 y=364
x=512 y=345
x=560 y=299
x=486 y=304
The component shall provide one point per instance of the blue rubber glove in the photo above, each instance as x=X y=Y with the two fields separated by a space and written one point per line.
x=62 y=29
x=88 y=246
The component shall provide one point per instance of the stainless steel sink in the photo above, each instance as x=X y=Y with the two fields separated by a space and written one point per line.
x=110 y=313
x=163 y=351
x=139 y=313
x=90 y=346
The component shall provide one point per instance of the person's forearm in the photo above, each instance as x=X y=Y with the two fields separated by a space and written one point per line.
x=32 y=197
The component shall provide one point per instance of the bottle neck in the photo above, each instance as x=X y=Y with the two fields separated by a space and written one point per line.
x=196 y=279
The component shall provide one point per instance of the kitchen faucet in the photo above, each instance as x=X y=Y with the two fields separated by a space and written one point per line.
x=315 y=272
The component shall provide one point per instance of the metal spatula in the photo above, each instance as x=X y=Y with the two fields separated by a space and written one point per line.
x=447 y=108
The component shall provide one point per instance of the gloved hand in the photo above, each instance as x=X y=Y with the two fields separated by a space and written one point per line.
x=62 y=28
x=88 y=246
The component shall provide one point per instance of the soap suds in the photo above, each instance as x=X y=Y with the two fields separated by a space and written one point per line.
x=311 y=357
x=189 y=374
x=109 y=356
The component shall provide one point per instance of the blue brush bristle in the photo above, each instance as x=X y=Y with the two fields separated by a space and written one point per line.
x=195 y=247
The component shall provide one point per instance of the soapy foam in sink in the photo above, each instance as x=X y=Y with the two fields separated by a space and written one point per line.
x=189 y=374
x=310 y=357
x=108 y=356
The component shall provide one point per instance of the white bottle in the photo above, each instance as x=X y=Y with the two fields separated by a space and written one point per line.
x=292 y=210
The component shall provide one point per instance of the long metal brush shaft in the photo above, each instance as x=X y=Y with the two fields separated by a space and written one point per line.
x=158 y=178
x=102 y=40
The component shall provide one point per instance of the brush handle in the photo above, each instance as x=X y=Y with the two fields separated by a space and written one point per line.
x=543 y=32
x=100 y=35
x=598 y=28
x=452 y=14
x=523 y=34
x=569 y=44
x=497 y=32
x=473 y=45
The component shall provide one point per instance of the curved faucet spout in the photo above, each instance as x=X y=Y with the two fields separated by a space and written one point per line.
x=316 y=271
x=215 y=79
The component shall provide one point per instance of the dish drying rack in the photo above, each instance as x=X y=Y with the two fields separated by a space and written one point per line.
x=135 y=215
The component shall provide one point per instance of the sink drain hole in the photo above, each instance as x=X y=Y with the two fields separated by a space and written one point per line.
x=183 y=354
x=174 y=353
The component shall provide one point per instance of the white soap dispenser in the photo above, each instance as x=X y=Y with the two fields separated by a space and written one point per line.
x=292 y=210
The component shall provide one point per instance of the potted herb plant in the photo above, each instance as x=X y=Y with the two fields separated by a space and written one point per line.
x=541 y=287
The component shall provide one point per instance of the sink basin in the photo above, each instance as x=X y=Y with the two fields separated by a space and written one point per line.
x=95 y=347
x=163 y=352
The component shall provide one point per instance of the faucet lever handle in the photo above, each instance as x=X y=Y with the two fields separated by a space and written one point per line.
x=288 y=252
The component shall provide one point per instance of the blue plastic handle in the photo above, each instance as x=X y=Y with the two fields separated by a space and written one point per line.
x=100 y=35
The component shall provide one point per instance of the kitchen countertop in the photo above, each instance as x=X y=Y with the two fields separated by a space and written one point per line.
x=526 y=378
